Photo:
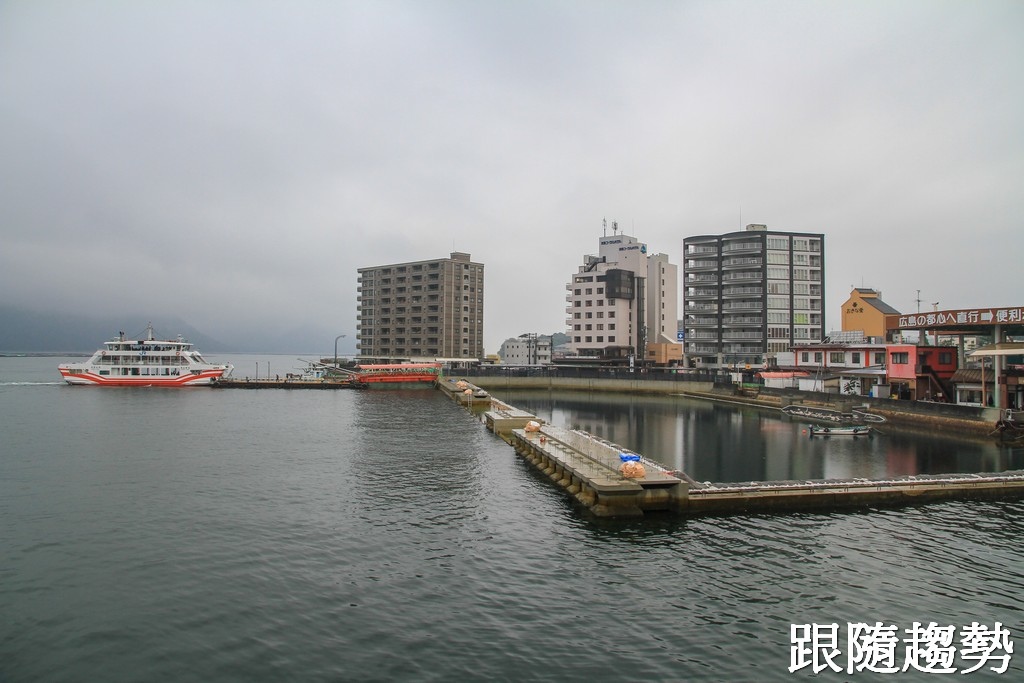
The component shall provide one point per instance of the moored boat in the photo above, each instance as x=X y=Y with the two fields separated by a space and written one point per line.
x=398 y=374
x=145 y=362
x=853 y=430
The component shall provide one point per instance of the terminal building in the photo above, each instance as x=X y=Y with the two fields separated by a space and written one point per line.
x=421 y=310
x=623 y=304
x=750 y=295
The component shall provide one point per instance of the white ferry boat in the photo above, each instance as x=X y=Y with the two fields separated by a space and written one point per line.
x=144 y=362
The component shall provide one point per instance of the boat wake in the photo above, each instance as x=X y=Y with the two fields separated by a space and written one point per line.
x=29 y=384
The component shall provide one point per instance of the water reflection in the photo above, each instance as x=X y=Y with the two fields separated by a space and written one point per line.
x=725 y=443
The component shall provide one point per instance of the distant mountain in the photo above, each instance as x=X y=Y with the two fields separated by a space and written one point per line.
x=31 y=331
x=27 y=331
x=559 y=338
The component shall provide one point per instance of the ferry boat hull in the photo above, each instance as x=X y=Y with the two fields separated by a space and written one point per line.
x=192 y=379
x=148 y=362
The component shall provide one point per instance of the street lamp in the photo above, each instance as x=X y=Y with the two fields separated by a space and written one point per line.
x=340 y=336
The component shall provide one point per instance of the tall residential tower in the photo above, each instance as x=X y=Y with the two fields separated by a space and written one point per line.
x=422 y=309
x=751 y=294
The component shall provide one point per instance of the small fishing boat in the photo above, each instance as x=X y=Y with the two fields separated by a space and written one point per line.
x=855 y=430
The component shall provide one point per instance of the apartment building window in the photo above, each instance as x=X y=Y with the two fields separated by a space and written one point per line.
x=817 y=357
x=880 y=358
x=901 y=358
x=836 y=357
x=805 y=357
x=945 y=358
x=855 y=357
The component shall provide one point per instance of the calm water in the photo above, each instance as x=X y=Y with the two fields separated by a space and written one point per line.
x=222 y=535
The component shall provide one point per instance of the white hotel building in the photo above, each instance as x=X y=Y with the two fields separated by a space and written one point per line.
x=622 y=300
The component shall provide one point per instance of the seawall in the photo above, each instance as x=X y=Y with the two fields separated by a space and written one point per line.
x=961 y=421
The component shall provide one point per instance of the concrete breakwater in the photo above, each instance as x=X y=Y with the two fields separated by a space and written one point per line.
x=589 y=469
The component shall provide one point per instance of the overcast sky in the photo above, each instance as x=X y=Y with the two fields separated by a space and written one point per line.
x=235 y=163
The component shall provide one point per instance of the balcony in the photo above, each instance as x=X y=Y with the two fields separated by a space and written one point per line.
x=702 y=293
x=739 y=277
x=701 y=349
x=743 y=291
x=702 y=264
x=742 y=321
x=742 y=262
x=735 y=247
x=696 y=321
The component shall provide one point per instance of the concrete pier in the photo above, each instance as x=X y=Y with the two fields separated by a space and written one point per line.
x=785 y=496
x=588 y=468
x=230 y=383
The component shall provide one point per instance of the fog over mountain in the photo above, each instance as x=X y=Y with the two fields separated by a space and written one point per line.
x=32 y=331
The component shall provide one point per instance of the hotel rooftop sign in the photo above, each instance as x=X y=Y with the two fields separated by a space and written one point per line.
x=962 y=318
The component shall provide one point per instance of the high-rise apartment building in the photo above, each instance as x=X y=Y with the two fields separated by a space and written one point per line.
x=622 y=300
x=751 y=294
x=422 y=310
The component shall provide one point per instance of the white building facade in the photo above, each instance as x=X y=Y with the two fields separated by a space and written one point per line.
x=527 y=349
x=621 y=300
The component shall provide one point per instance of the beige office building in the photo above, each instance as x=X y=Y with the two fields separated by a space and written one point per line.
x=622 y=301
x=421 y=310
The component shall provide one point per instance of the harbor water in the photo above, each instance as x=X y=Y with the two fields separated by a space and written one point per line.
x=284 y=535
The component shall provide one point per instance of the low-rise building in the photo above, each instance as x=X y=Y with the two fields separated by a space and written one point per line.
x=526 y=349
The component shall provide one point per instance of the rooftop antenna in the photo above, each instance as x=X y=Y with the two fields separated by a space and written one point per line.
x=604 y=224
x=615 y=227
x=919 y=301
x=935 y=305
